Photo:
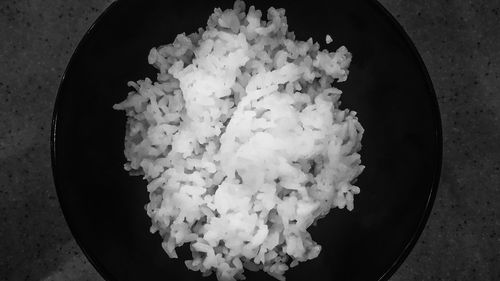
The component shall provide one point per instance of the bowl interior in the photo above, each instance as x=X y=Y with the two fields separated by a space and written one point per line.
x=388 y=86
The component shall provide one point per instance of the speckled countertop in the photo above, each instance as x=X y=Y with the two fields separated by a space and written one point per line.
x=458 y=40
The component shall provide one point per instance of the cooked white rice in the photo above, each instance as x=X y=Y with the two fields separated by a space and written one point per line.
x=328 y=39
x=243 y=143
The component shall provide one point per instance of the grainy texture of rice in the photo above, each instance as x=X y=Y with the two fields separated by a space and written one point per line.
x=242 y=143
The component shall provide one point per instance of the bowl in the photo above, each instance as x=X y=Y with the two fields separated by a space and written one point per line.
x=388 y=86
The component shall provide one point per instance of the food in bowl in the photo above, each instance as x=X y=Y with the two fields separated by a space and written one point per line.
x=242 y=143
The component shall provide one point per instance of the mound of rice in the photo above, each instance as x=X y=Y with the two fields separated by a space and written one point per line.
x=242 y=143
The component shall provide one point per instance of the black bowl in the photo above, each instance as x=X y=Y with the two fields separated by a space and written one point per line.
x=388 y=85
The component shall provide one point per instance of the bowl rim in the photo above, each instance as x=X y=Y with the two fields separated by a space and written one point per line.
x=105 y=274
x=438 y=157
x=100 y=268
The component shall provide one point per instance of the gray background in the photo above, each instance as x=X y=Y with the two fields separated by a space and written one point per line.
x=458 y=40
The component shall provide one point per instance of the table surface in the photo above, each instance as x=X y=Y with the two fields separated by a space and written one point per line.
x=459 y=41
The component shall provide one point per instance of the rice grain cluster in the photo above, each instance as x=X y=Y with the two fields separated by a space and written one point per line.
x=242 y=143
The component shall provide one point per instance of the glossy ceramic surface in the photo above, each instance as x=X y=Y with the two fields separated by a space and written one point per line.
x=388 y=86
